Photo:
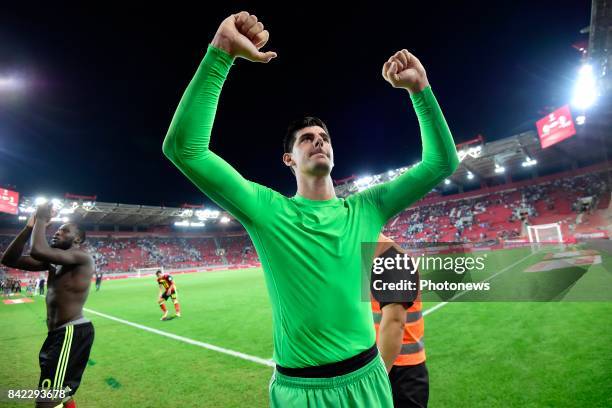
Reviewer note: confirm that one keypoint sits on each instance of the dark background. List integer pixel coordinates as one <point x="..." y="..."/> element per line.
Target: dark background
<point x="104" y="81"/>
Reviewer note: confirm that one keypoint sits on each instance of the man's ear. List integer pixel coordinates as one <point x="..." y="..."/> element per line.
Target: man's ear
<point x="288" y="159"/>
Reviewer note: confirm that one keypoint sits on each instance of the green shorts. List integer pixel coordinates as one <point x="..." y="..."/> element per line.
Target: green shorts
<point x="367" y="387"/>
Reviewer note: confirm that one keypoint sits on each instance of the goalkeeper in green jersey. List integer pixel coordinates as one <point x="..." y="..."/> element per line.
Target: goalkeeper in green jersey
<point x="309" y="244"/>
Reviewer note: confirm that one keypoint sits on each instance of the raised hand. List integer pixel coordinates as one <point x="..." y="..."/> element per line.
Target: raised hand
<point x="44" y="212"/>
<point x="241" y="35"/>
<point x="404" y="70"/>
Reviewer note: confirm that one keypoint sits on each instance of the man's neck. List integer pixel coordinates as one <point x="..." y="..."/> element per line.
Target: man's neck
<point x="316" y="188"/>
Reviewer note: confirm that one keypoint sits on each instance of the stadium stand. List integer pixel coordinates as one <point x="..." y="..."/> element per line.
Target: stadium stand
<point x="579" y="203"/>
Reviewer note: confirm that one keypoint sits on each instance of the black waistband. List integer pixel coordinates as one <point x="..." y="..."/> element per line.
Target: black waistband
<point x="333" y="369"/>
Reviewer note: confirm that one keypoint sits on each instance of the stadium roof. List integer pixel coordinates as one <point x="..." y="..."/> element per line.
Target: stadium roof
<point x="492" y="162"/>
<point x="101" y="213"/>
<point x="477" y="157"/>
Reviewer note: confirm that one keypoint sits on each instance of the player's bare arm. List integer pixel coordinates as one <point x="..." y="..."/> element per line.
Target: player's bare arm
<point x="12" y="256"/>
<point x="391" y="328"/>
<point x="41" y="250"/>
<point x="391" y="332"/>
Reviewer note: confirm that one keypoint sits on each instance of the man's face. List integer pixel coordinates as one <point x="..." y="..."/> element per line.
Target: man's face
<point x="64" y="237"/>
<point x="312" y="152"/>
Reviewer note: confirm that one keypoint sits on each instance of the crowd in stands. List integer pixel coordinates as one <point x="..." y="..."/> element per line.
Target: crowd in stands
<point x="484" y="218"/>
<point x="238" y="250"/>
<point x="502" y="215"/>
<point x="129" y="254"/>
<point x="116" y="254"/>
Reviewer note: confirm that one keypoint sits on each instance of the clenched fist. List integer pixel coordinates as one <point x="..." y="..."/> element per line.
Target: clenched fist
<point x="404" y="70"/>
<point x="44" y="212"/>
<point x="241" y="35"/>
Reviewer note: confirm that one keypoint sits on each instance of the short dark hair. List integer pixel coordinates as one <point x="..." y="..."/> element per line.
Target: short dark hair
<point x="158" y="272"/>
<point x="297" y="125"/>
<point x="80" y="233"/>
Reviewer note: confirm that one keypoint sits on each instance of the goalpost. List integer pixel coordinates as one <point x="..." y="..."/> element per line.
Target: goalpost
<point x="148" y="271"/>
<point x="550" y="233"/>
<point x="545" y="234"/>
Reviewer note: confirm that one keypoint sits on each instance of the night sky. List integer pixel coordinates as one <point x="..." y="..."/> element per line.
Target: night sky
<point x="103" y="84"/>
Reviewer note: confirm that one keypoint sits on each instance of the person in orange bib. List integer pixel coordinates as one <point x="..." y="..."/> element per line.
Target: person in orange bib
<point x="399" y="336"/>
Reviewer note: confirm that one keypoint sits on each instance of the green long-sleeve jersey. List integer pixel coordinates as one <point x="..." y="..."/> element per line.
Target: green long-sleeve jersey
<point x="310" y="250"/>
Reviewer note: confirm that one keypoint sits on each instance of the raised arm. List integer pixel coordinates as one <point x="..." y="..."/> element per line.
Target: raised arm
<point x="187" y="141"/>
<point x="439" y="157"/>
<point x="41" y="250"/>
<point x="12" y="256"/>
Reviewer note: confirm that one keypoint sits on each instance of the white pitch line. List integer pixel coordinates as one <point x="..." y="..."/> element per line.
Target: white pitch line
<point x="260" y="360"/>
<point x="187" y="340"/>
<point x="440" y="305"/>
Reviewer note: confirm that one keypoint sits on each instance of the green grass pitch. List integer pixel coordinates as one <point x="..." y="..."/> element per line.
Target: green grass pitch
<point x="479" y="354"/>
